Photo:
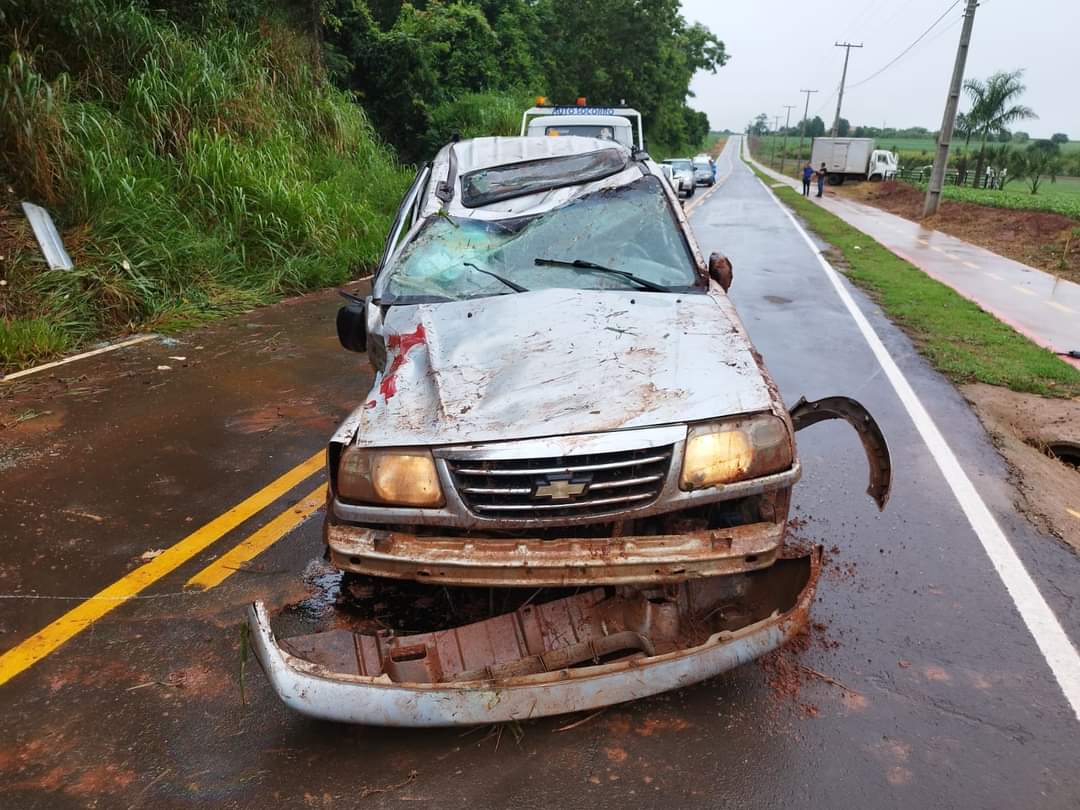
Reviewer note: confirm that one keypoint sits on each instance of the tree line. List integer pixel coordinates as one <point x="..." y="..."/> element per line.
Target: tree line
<point x="427" y="68"/>
<point x="994" y="106"/>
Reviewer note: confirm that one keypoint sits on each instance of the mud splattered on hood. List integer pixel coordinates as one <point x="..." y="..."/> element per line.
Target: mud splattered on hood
<point x="556" y="362"/>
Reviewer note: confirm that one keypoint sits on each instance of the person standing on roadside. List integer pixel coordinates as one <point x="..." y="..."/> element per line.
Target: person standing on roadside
<point x="807" y="174"/>
<point x="821" y="179"/>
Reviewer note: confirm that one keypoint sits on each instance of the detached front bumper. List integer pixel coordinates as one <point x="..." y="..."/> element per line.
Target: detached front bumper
<point x="584" y="561"/>
<point x="579" y="653"/>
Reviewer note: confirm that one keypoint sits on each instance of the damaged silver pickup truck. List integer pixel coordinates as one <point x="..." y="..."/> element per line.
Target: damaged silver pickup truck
<point x="567" y="413"/>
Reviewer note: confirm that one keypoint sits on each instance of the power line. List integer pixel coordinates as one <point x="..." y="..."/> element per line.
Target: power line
<point x="906" y="50"/>
<point x="947" y="28"/>
<point x="825" y="103"/>
<point x="864" y="16"/>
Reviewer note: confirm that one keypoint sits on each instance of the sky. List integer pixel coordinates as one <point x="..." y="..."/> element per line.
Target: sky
<point x="778" y="47"/>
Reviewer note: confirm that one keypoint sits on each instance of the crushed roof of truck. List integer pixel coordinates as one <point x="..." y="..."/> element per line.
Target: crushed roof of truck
<point x="496" y="183"/>
<point x="514" y="163"/>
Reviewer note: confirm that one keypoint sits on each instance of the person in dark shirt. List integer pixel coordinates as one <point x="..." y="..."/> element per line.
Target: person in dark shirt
<point x="821" y="179"/>
<point x="807" y="173"/>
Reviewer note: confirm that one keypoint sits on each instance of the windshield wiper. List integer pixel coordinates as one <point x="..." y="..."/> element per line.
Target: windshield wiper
<point x="581" y="264"/>
<point x="513" y="285"/>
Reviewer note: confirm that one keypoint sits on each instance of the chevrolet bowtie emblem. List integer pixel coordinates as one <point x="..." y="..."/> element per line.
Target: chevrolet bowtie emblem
<point x="560" y="490"/>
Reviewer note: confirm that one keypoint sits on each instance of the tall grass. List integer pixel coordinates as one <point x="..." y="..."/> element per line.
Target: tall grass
<point x="193" y="174"/>
<point x="474" y="115"/>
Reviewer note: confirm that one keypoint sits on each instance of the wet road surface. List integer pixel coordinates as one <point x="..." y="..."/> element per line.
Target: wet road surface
<point x="934" y="692"/>
<point x="1035" y="303"/>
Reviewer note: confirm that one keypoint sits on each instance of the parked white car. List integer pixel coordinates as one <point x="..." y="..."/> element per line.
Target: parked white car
<point x="682" y="171"/>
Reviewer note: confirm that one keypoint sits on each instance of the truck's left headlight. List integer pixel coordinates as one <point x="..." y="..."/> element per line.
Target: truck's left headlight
<point x="402" y="477"/>
<point x="735" y="450"/>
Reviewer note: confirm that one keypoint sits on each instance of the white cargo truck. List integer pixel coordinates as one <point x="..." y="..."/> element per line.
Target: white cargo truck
<point x="852" y="159"/>
<point x="620" y="124"/>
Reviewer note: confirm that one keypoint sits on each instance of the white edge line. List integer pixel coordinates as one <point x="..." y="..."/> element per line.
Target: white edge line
<point x="1055" y="645"/>
<point x="74" y="357"/>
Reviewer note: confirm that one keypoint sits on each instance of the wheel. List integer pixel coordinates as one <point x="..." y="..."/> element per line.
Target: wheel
<point x="836" y="179"/>
<point x="690" y="193"/>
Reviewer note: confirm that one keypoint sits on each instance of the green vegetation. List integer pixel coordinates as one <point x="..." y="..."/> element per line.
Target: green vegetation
<point x="994" y="108"/>
<point x="207" y="156"/>
<point x="195" y="173"/>
<point x="961" y="340"/>
<point x="1062" y="197"/>
<point x="411" y="64"/>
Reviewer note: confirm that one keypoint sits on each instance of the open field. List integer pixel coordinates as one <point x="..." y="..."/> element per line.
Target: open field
<point x="912" y="153"/>
<point x="1062" y="197"/>
<point x="910" y="144"/>
<point x="1059" y="197"/>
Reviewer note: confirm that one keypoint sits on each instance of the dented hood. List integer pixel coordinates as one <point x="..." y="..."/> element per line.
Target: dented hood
<point x="556" y="362"/>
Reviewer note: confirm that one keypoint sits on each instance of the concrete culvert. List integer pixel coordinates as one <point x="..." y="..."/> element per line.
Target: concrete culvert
<point x="1067" y="452"/>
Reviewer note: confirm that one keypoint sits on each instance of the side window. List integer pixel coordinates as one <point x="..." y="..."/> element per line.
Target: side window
<point x="406" y="215"/>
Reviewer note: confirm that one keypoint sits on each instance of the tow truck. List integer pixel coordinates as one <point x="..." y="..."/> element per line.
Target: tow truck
<point x="619" y="124"/>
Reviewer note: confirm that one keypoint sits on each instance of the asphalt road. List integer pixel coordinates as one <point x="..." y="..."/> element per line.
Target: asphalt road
<point x="920" y="684"/>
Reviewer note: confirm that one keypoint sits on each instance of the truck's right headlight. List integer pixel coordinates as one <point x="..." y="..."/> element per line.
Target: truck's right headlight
<point x="402" y="477"/>
<point x="735" y="450"/>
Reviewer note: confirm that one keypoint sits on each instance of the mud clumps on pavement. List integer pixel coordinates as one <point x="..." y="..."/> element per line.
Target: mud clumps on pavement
<point x="781" y="667"/>
<point x="1022" y="426"/>
<point x="1036" y="238"/>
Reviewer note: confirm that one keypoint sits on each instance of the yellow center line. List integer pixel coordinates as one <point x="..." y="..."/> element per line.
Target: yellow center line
<point x="1024" y="290"/>
<point x="922" y="242"/>
<point x="258" y="541"/>
<point x="49" y="638"/>
<point x="972" y="265"/>
<point x="1073" y="512"/>
<point x="1061" y="307"/>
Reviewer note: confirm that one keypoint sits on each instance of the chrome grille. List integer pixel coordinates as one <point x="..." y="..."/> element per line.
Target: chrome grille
<point x="572" y="486"/>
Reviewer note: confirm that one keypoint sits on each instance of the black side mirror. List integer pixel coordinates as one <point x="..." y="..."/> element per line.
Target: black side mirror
<point x="720" y="270"/>
<point x="352" y="327"/>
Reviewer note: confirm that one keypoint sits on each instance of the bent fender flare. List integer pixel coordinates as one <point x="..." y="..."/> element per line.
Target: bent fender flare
<point x="806" y="413"/>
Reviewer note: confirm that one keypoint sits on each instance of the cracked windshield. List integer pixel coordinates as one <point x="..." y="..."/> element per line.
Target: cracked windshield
<point x="628" y="229"/>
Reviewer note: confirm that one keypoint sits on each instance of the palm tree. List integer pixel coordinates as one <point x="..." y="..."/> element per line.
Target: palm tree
<point x="963" y="128"/>
<point x="993" y="108"/>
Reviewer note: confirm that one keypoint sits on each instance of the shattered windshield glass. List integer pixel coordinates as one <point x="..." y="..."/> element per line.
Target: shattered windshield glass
<point x="629" y="228"/>
<point x="485" y="186"/>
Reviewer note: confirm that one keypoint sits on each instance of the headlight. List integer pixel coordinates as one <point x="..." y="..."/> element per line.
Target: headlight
<point x="398" y="477"/>
<point x="735" y="450"/>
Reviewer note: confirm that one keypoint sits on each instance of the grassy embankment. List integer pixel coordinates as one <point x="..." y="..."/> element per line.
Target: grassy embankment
<point x="191" y="174"/>
<point x="959" y="339"/>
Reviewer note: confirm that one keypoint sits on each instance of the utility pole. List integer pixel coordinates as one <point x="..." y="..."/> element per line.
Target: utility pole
<point x="843" y="78"/>
<point x="806" y="112"/>
<point x="776" y="127"/>
<point x="787" y="126"/>
<point x="952" y="101"/>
